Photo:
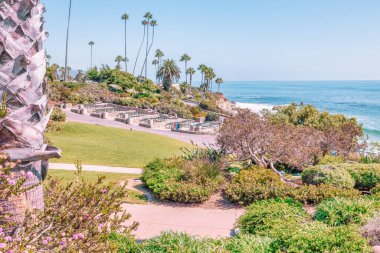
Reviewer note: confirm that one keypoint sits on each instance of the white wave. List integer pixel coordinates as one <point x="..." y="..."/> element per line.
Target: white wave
<point x="256" y="108"/>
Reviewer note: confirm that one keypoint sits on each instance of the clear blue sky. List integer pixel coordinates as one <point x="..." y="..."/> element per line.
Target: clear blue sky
<point x="240" y="39"/>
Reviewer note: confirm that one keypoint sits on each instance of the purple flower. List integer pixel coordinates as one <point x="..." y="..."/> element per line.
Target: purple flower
<point x="49" y="239"/>
<point x="9" y="251"/>
<point x="45" y="242"/>
<point x="12" y="182"/>
<point x="8" y="238"/>
<point x="76" y="237"/>
<point x="96" y="217"/>
<point x="2" y="245"/>
<point x="104" y="191"/>
<point x="1" y="230"/>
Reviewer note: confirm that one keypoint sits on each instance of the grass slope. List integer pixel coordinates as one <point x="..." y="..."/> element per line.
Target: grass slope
<point x="99" y="145"/>
<point x="134" y="197"/>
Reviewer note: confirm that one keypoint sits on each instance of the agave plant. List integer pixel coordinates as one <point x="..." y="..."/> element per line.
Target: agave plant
<point x="22" y="71"/>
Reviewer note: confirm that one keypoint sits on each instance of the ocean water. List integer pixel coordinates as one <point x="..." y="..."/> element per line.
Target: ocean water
<point x="359" y="99"/>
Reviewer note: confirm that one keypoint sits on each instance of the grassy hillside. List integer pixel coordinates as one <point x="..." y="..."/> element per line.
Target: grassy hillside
<point x="98" y="145"/>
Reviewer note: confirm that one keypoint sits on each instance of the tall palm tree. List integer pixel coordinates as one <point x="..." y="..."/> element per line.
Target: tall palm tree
<point x="22" y="128"/>
<point x="148" y="16"/>
<point x="202" y="69"/>
<point x="125" y="17"/>
<point x="159" y="54"/>
<point x="185" y="58"/>
<point x="91" y="44"/>
<point x="118" y="60"/>
<point x="67" y="41"/>
<point x="144" y="23"/>
<point x="209" y="76"/>
<point x="155" y="63"/>
<point x="153" y="24"/>
<point x="190" y="72"/>
<point x="168" y="72"/>
<point x="219" y="81"/>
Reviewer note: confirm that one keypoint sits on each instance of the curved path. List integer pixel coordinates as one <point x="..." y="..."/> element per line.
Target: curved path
<point x="211" y="219"/>
<point x="95" y="168"/>
<point x="189" y="138"/>
<point x="197" y="221"/>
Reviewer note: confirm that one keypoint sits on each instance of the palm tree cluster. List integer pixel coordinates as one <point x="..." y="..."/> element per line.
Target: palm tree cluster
<point x="165" y="69"/>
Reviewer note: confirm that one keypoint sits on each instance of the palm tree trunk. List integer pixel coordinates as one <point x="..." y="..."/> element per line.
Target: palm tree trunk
<point x="138" y="54"/>
<point x="22" y="79"/>
<point x="91" y="56"/>
<point x="67" y="42"/>
<point x="146" y="58"/>
<point x="146" y="52"/>
<point x="125" y="45"/>
<point x="191" y="79"/>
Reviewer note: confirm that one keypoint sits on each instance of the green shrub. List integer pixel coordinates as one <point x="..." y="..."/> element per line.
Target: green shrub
<point x="313" y="194"/>
<point x="188" y="181"/>
<point x="254" y="184"/>
<point x="328" y="159"/>
<point x="58" y="115"/>
<point x="264" y="217"/>
<point x="316" y="237"/>
<point x="212" y="116"/>
<point x="366" y="176"/>
<point x="180" y="242"/>
<point x="376" y="189"/>
<point x="328" y="174"/>
<point x="343" y="211"/>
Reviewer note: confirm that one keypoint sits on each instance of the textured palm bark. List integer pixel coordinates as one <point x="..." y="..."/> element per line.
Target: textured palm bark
<point x="22" y="72"/>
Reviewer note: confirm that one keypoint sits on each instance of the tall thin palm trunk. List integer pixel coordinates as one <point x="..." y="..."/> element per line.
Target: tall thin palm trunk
<point x="22" y="74"/>
<point x="146" y="57"/>
<point x="91" y="56"/>
<point x="67" y="41"/>
<point x="125" y="45"/>
<point x="138" y="54"/>
<point x="147" y="48"/>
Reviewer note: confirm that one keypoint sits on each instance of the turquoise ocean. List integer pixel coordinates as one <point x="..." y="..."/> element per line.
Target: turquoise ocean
<point x="359" y="99"/>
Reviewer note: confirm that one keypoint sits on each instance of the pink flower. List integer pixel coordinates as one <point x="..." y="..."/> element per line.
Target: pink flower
<point x="45" y="242"/>
<point x="101" y="225"/>
<point x="104" y="191"/>
<point x="9" y="251"/>
<point x="2" y="245"/>
<point x="12" y="182"/>
<point x="8" y="238"/>
<point x="78" y="236"/>
<point x="29" y="174"/>
<point x="1" y="230"/>
<point x="49" y="239"/>
<point x="96" y="217"/>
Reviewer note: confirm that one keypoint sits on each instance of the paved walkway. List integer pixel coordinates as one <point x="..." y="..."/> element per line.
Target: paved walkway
<point x="189" y="138"/>
<point x="95" y="168"/>
<point x="154" y="219"/>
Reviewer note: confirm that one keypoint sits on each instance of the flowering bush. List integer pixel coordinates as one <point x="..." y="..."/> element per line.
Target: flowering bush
<point x="79" y="216"/>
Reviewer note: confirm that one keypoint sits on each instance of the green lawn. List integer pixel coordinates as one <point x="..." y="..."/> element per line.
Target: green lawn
<point x="134" y="197"/>
<point x="99" y="145"/>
